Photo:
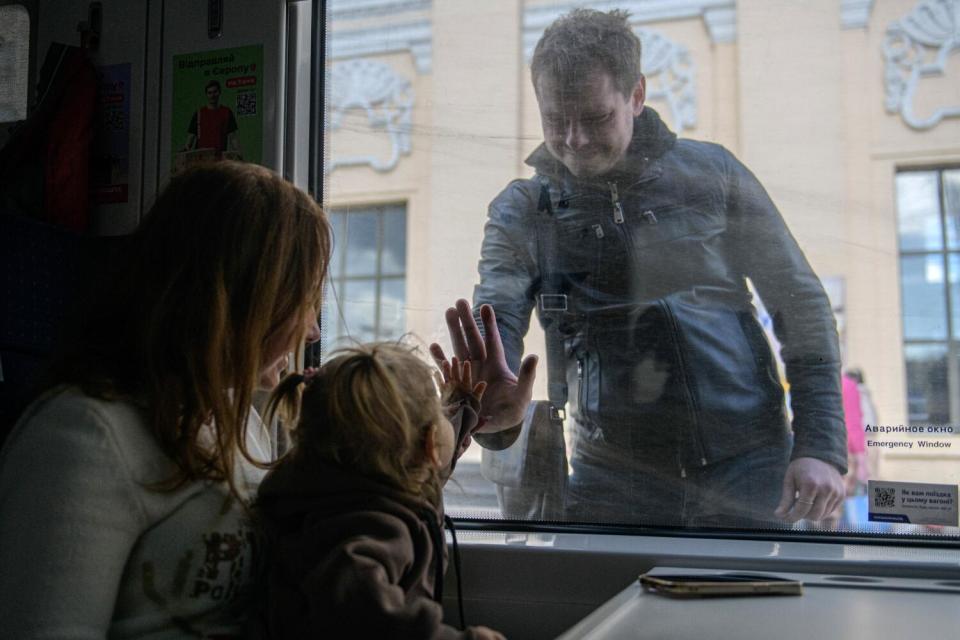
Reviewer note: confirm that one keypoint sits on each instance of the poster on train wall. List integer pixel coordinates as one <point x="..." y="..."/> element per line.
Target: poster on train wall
<point x="217" y="106"/>
<point x="110" y="159"/>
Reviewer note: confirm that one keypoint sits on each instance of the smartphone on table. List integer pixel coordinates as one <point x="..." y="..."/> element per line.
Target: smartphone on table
<point x="693" y="585"/>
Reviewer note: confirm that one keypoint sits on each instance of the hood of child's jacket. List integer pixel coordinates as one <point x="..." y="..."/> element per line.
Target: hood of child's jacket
<point x="358" y="554"/>
<point x="323" y="489"/>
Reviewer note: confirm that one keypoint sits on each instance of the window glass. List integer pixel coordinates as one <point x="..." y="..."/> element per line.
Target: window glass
<point x="393" y="295"/>
<point x="336" y="228"/>
<point x="362" y="244"/>
<point x="394" y="255"/>
<point x="953" y="263"/>
<point x="924" y="302"/>
<point x="359" y="309"/>
<point x="14" y="62"/>
<point x="930" y="285"/>
<point x="740" y="270"/>
<point x="918" y="211"/>
<point x="366" y="292"/>
<point x="927" y="384"/>
<point x="951" y="201"/>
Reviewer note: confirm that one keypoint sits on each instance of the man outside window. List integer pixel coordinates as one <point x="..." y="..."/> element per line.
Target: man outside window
<point x="635" y="248"/>
<point x="213" y="126"/>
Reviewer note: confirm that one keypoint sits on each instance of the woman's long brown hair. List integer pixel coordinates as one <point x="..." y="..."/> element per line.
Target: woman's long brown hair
<point x="227" y="255"/>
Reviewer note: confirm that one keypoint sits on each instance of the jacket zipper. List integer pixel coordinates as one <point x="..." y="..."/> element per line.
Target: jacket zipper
<point x="615" y="201"/>
<point x="613" y="191"/>
<point x="694" y="412"/>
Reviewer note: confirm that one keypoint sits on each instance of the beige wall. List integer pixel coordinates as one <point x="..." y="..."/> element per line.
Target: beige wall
<point x="799" y="99"/>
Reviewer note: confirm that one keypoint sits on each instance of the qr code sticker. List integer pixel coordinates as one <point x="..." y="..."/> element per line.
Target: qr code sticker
<point x="884" y="498"/>
<point x="247" y="103"/>
<point x="112" y="120"/>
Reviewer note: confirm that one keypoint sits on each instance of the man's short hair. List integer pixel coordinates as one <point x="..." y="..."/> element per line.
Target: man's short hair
<point x="580" y="42"/>
<point x="213" y="83"/>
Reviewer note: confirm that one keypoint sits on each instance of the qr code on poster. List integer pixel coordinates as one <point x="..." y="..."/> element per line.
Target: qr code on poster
<point x="884" y="497"/>
<point x="247" y="103"/>
<point x="112" y="120"/>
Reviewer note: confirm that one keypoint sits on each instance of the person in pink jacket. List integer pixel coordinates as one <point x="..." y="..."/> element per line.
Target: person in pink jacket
<point x="858" y="472"/>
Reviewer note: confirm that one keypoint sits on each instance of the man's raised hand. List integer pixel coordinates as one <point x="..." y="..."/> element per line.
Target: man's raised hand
<point x="507" y="395"/>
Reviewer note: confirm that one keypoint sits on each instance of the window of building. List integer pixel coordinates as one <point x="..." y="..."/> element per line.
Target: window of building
<point x="928" y="213"/>
<point x="14" y="62"/>
<point x="367" y="289"/>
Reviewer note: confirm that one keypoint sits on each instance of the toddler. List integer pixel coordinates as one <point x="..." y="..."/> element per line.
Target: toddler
<point x="353" y="515"/>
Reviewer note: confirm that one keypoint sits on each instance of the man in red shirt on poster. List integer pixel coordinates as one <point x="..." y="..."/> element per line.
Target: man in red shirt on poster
<point x="213" y="126"/>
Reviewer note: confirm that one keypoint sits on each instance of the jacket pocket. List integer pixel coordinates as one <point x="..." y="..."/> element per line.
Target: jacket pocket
<point x="766" y="368"/>
<point x="579" y="252"/>
<point x="731" y="376"/>
<point x="655" y="225"/>
<point x="584" y="396"/>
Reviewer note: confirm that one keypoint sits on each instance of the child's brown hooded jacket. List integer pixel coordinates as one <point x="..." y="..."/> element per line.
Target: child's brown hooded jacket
<point x="350" y="556"/>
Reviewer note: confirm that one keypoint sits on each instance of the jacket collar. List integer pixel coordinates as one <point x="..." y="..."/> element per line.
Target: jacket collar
<point x="651" y="139"/>
<point x="300" y="487"/>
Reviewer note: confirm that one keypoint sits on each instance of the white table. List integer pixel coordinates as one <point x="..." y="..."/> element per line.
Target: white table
<point x="848" y="607"/>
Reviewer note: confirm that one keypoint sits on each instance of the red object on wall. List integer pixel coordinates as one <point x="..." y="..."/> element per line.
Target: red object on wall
<point x="45" y="166"/>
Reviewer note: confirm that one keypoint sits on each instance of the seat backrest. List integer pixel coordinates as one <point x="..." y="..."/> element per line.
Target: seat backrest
<point x="44" y="272"/>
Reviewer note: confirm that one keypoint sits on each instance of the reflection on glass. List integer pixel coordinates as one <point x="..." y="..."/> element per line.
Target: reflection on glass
<point x="393" y="320"/>
<point x="359" y="299"/>
<point x="951" y="206"/>
<point x="918" y="211"/>
<point x="635" y="249"/>
<point x="394" y="256"/>
<point x="361" y="246"/>
<point x="953" y="262"/>
<point x="924" y="304"/>
<point x="339" y="238"/>
<point x="370" y="251"/>
<point x="927" y="399"/>
<point x="330" y="317"/>
<point x="674" y="403"/>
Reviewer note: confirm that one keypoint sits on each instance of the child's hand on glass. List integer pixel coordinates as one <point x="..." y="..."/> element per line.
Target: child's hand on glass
<point x="457" y="376"/>
<point x="457" y="380"/>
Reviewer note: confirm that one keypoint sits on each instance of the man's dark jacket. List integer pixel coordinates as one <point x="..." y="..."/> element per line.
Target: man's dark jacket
<point x="639" y="279"/>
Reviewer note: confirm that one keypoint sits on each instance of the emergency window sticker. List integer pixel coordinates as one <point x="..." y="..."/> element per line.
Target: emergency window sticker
<point x="913" y="503"/>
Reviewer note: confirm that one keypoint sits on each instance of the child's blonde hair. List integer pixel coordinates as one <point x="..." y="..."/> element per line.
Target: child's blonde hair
<point x="370" y="408"/>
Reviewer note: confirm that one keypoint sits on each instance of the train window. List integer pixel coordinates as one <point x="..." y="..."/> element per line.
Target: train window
<point x="14" y="62"/>
<point x="728" y="230"/>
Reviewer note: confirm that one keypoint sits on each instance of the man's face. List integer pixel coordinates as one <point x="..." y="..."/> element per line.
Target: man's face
<point x="588" y="127"/>
<point x="213" y="96"/>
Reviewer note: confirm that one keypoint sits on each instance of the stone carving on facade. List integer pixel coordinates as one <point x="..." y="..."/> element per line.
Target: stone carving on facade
<point x="365" y="28"/>
<point x="670" y="77"/>
<point x="385" y="97"/>
<point x="415" y="37"/>
<point x="855" y="14"/>
<point x="360" y="9"/>
<point x="719" y="16"/>
<point x="917" y="46"/>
